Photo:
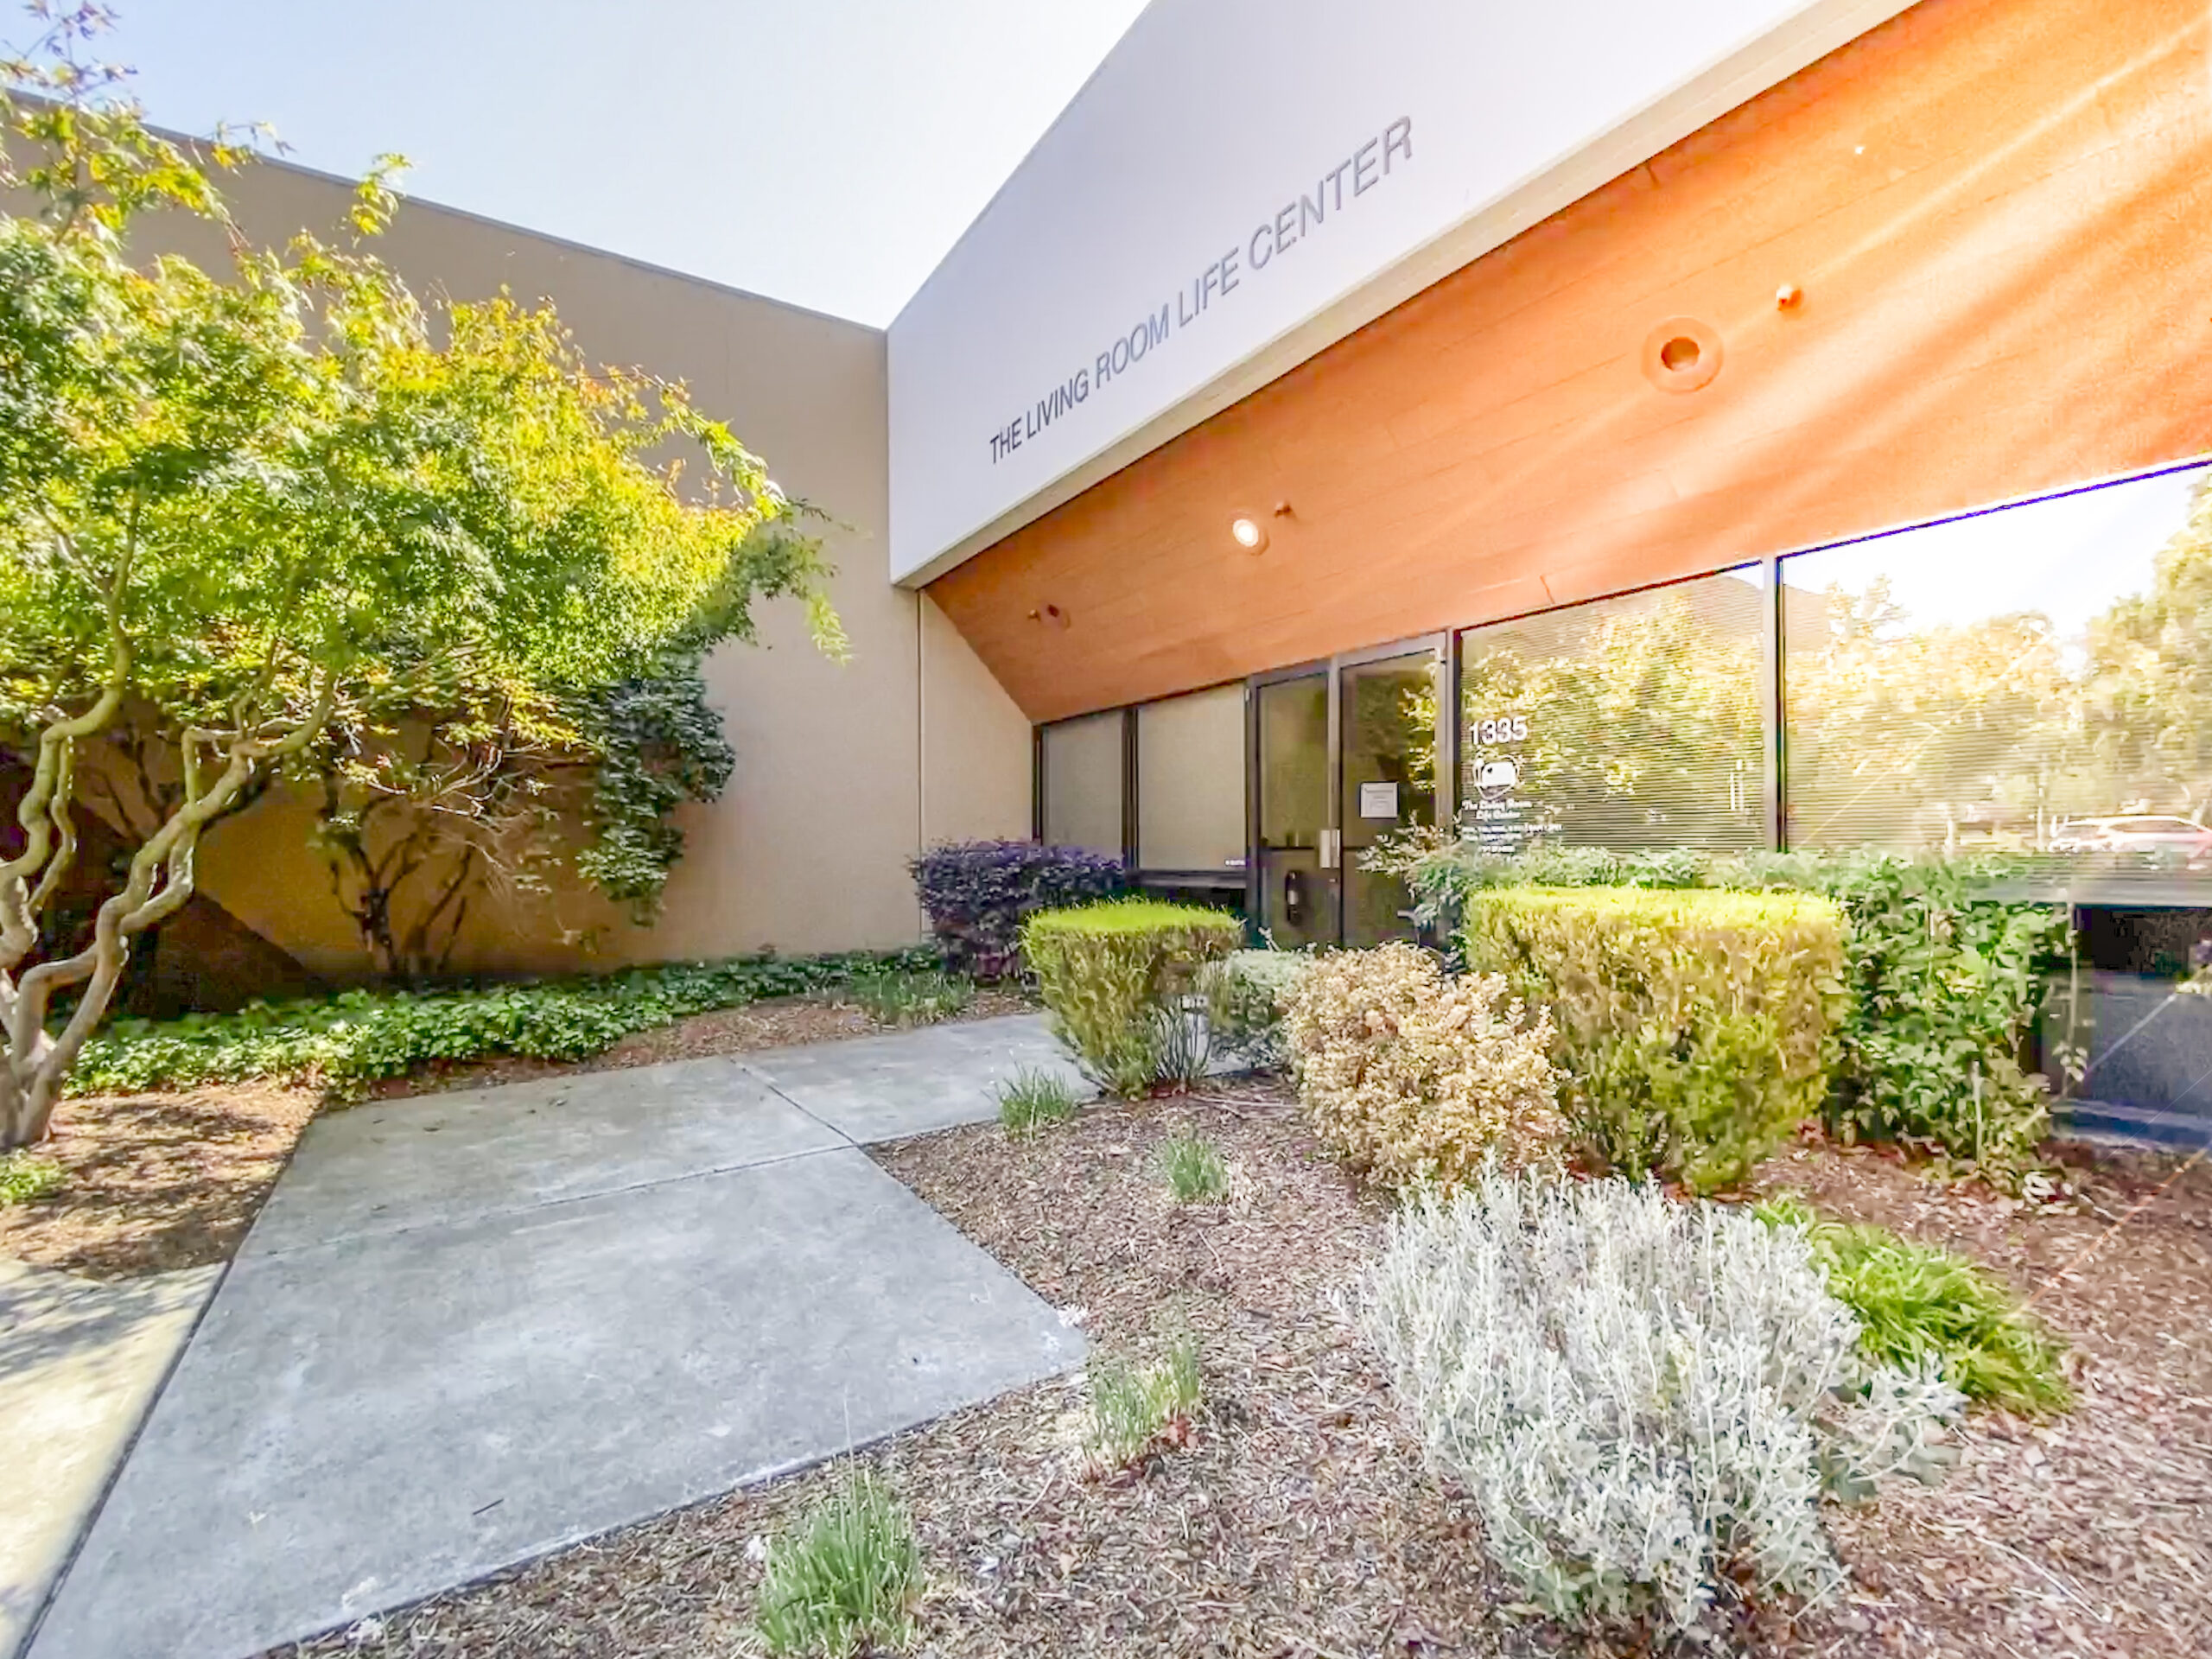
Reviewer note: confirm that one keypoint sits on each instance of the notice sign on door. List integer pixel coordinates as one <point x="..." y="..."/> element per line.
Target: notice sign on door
<point x="1378" y="800"/>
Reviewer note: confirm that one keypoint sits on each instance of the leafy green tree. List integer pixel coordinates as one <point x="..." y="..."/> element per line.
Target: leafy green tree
<point x="260" y="513"/>
<point x="2149" y="684"/>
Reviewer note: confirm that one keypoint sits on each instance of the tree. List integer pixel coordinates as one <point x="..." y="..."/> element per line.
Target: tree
<point x="2149" y="684"/>
<point x="426" y="817"/>
<point x="260" y="515"/>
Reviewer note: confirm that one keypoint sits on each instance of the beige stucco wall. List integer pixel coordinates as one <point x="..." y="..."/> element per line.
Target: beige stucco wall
<point x="843" y="770"/>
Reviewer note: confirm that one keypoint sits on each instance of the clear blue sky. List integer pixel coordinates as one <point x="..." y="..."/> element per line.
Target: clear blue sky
<point x="826" y="152"/>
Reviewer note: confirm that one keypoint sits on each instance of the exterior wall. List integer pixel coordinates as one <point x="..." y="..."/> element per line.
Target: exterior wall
<point x="1992" y="211"/>
<point x="807" y="850"/>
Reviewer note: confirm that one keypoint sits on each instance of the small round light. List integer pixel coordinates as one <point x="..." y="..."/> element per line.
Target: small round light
<point x="1249" y="535"/>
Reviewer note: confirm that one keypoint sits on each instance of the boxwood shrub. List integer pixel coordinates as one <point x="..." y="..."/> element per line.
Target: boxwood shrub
<point x="1109" y="972"/>
<point x="1945" y="969"/>
<point x="1694" y="1029"/>
<point x="977" y="892"/>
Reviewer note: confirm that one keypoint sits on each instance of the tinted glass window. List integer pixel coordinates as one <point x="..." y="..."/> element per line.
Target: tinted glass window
<point x="1629" y="722"/>
<point x="2036" y="679"/>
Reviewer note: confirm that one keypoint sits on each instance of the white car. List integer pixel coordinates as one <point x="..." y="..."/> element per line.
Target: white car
<point x="2136" y="833"/>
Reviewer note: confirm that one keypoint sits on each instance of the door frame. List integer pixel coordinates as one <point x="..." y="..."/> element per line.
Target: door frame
<point x="1331" y="670"/>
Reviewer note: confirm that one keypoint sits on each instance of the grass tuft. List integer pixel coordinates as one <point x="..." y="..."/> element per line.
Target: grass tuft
<point x="1032" y="1099"/>
<point x="911" y="997"/>
<point x="847" y="1580"/>
<point x="1193" y="1167"/>
<point x="1915" y="1299"/>
<point x="24" y="1177"/>
<point x="1132" y="1407"/>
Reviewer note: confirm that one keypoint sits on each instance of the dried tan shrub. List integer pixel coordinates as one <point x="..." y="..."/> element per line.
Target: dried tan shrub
<point x="1413" y="1077"/>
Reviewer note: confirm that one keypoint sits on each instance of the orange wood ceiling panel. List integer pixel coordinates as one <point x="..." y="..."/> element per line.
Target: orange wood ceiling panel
<point x="1996" y="213"/>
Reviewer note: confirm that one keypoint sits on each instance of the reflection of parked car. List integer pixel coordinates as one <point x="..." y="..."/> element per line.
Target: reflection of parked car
<point x="2136" y="833"/>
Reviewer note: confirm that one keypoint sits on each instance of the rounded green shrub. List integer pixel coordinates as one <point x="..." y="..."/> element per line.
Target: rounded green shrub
<point x="1695" y="1028"/>
<point x="1106" y="972"/>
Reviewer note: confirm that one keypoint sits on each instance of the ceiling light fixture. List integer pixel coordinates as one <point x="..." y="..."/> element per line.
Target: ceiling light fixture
<point x="1250" y="535"/>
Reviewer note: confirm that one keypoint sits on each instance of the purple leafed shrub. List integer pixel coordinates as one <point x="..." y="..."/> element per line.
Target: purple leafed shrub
<point x="977" y="891"/>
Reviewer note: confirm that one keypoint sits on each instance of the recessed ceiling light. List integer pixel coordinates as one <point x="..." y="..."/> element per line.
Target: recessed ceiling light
<point x="1250" y="535"/>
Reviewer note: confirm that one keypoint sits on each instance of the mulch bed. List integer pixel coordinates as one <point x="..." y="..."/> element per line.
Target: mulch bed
<point x="1298" y="1519"/>
<point x="153" y="1182"/>
<point x="173" y="1180"/>
<point x="2089" y="1534"/>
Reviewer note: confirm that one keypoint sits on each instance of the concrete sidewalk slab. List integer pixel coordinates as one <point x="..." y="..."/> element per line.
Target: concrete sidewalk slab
<point x="80" y="1361"/>
<point x="471" y="1328"/>
<point x="454" y="1157"/>
<point x="910" y="1082"/>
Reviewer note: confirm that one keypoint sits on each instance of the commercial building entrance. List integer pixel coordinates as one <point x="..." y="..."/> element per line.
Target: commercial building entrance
<point x="1343" y="753"/>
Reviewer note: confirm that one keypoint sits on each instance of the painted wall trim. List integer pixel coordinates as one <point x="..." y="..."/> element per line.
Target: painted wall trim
<point x="1808" y="37"/>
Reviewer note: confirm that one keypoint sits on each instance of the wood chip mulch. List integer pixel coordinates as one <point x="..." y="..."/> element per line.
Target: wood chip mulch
<point x="2090" y="1534"/>
<point x="157" y="1181"/>
<point x="1299" y="1521"/>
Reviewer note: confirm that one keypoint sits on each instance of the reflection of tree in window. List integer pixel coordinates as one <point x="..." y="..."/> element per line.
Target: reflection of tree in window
<point x="1396" y="729"/>
<point x="2149" y="690"/>
<point x="1643" y="717"/>
<point x="1995" y="732"/>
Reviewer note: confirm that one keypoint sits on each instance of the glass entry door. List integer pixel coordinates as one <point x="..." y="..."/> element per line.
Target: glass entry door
<point x="1343" y="753"/>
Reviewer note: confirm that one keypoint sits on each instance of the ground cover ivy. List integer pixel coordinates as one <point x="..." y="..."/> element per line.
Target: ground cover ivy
<point x="356" y="1037"/>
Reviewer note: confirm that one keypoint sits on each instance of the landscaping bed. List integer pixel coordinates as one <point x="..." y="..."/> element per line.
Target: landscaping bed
<point x="1299" y="1519"/>
<point x="172" y="1179"/>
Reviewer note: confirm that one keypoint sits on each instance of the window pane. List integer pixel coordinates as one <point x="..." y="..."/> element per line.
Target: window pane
<point x="2035" y="679"/>
<point x="1082" y="782"/>
<point x="1629" y="722"/>
<point x="1190" y="782"/>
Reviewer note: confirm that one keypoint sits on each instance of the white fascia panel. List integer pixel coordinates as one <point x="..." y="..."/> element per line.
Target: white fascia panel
<point x="1243" y="183"/>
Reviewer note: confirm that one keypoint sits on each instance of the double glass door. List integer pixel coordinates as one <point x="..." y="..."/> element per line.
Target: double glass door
<point x="1345" y="752"/>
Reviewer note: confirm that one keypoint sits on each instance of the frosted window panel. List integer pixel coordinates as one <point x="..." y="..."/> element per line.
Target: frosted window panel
<point x="1082" y="782"/>
<point x="1190" y="782"/>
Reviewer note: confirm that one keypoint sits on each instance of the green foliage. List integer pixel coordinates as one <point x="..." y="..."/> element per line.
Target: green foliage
<point x="356" y="1037"/>
<point x="900" y="997"/>
<point x="23" y="1177"/>
<point x="1945" y="987"/>
<point x="656" y="744"/>
<point x="1132" y="1407"/>
<point x="1915" y="1302"/>
<point x="1192" y="1167"/>
<point x="1105" y="970"/>
<point x="1696" y="1029"/>
<point x="1032" y="1099"/>
<point x="847" y="1581"/>
<point x="1944" y="976"/>
<point x="266" y="516"/>
<point x="1246" y="994"/>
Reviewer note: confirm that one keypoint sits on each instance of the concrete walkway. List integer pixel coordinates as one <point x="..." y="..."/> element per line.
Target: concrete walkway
<point x="470" y="1328"/>
<point x="79" y="1362"/>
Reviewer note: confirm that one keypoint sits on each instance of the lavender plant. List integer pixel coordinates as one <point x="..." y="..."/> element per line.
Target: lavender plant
<point x="1646" y="1401"/>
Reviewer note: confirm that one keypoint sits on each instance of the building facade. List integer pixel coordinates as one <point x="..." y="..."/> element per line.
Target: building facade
<point x="1761" y="423"/>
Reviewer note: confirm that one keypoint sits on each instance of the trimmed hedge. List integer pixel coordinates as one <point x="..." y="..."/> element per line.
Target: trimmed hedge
<point x="1696" y="1029"/>
<point x="978" y="892"/>
<point x="356" y="1037"/>
<point x="1110" y="971"/>
<point x="1946" y="976"/>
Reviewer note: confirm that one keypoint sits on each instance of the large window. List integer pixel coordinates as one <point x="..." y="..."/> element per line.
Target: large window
<point x="1082" y="761"/>
<point x="1190" y="782"/>
<point x="2035" y="678"/>
<point x="1631" y="722"/>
